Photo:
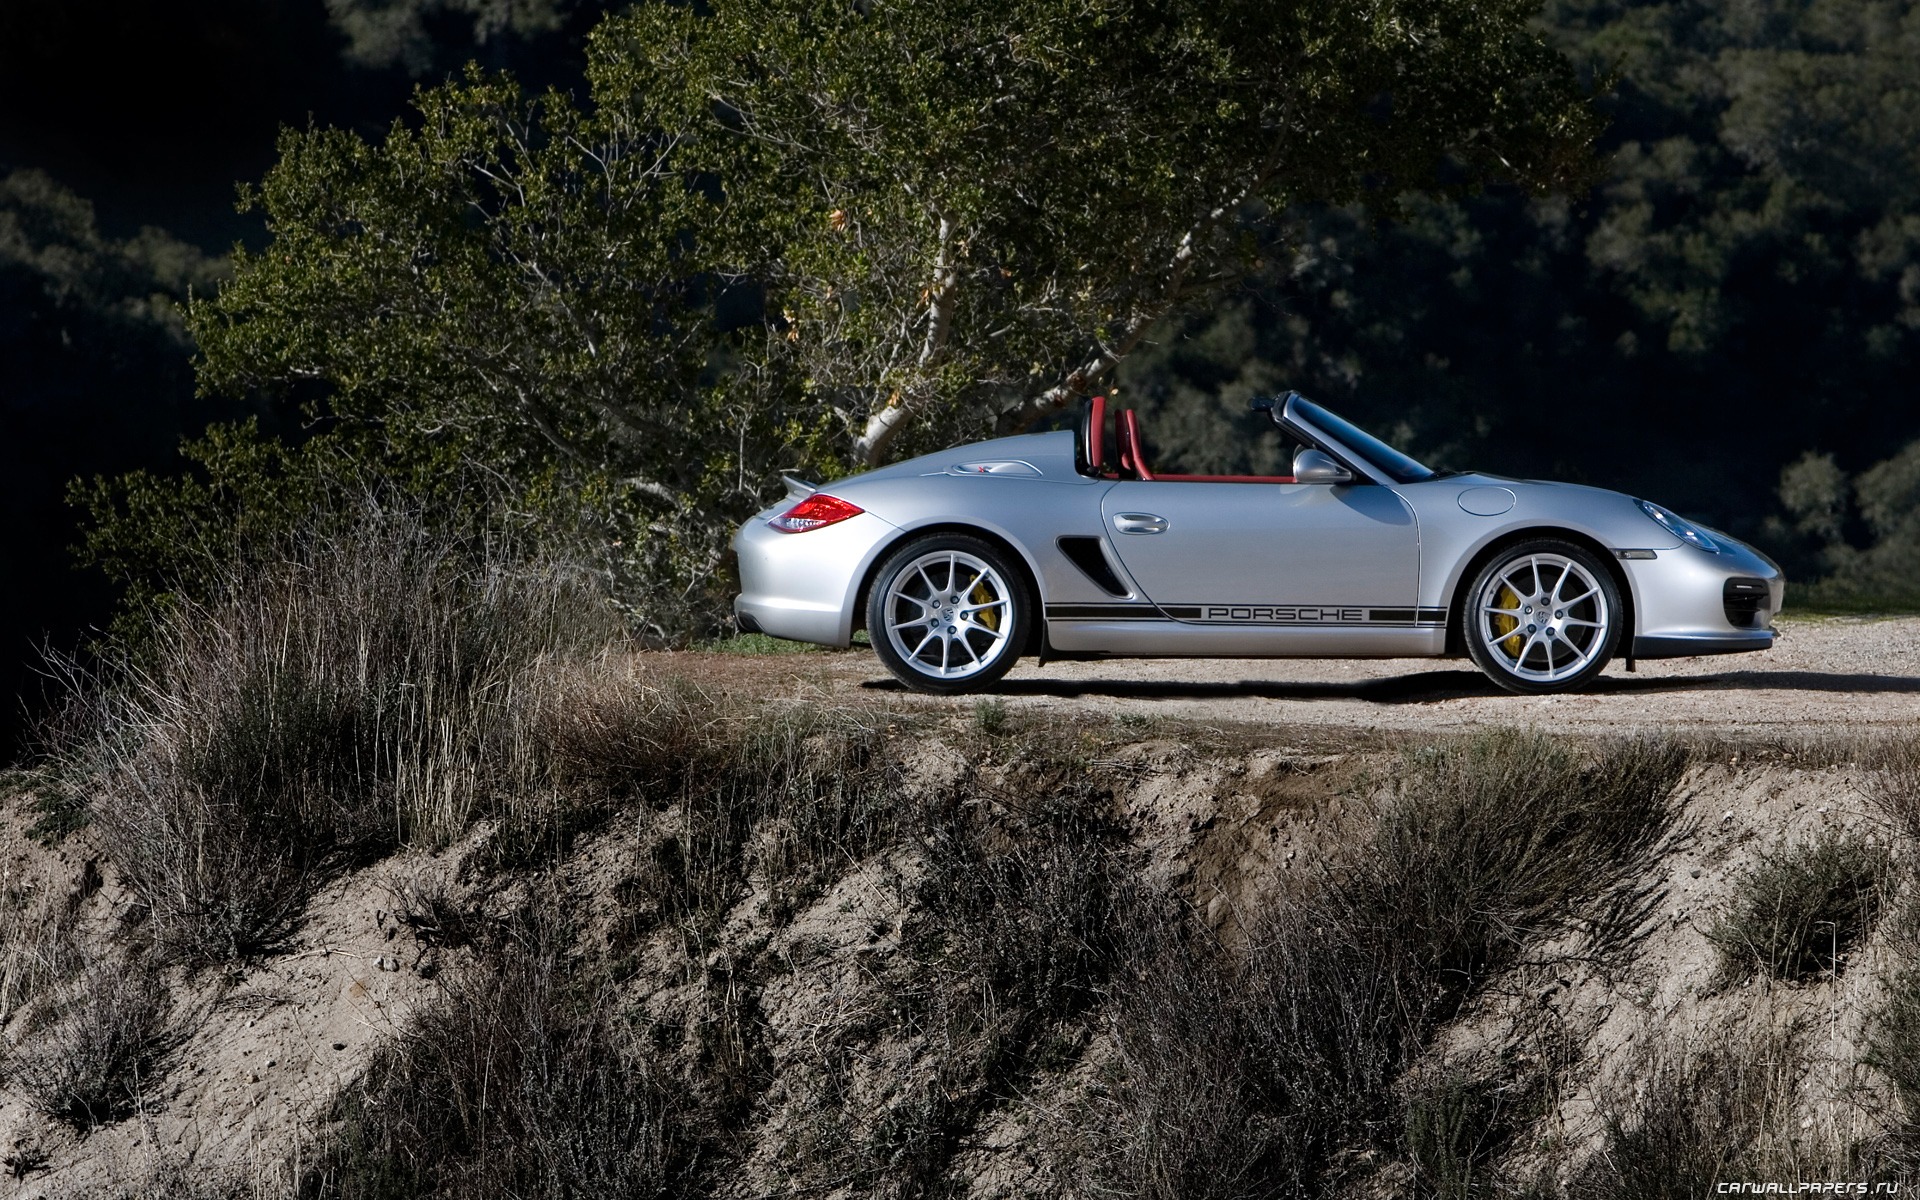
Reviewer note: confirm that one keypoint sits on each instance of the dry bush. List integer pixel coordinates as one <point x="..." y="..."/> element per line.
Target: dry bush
<point x="1712" y="1115"/>
<point x="1892" y="781"/>
<point x="1491" y="840"/>
<point x="1893" y="1034"/>
<point x="333" y="701"/>
<point x="783" y="797"/>
<point x="1893" y="1047"/>
<point x="529" y="1078"/>
<point x="1455" y="1124"/>
<point x="524" y="1079"/>
<point x="37" y="947"/>
<point x="1798" y="910"/>
<point x="87" y="1052"/>
<point x="1243" y="1075"/>
<point x="1269" y="1073"/>
<point x="57" y="805"/>
<point x="1015" y="931"/>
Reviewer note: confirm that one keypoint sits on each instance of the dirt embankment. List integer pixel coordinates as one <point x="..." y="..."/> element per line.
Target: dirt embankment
<point x="1227" y="785"/>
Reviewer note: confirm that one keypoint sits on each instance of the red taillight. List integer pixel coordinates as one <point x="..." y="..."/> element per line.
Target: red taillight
<point x="815" y="511"/>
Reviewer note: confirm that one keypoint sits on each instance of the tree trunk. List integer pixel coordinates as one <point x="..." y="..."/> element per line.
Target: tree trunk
<point x="870" y="449"/>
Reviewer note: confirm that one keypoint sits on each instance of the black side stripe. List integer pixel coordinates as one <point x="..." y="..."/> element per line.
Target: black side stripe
<point x="1104" y="612"/>
<point x="1254" y="614"/>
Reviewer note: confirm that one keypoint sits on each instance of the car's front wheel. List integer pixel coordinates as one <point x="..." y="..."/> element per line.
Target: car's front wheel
<point x="948" y="613"/>
<point x="1543" y="616"/>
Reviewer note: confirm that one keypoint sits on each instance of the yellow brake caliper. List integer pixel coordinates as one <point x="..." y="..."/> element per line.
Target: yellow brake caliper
<point x="1504" y="624"/>
<point x="990" y="617"/>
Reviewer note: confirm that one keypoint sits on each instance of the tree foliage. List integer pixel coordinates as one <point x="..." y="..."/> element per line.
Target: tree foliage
<point x="968" y="213"/>
<point x="783" y="234"/>
<point x="1741" y="290"/>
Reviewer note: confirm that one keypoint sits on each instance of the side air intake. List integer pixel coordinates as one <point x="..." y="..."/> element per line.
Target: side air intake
<point x="1744" y="599"/>
<point x="1085" y="553"/>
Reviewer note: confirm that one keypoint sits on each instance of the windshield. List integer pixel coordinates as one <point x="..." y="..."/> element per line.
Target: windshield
<point x="1397" y="466"/>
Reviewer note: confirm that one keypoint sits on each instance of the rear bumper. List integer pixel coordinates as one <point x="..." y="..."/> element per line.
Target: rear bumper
<point x="803" y="586"/>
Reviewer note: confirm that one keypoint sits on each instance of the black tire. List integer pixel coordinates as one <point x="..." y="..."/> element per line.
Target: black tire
<point x="989" y="614"/>
<point x="1527" y="627"/>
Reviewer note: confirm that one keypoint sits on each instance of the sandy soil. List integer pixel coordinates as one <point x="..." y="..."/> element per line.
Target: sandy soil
<point x="1823" y="676"/>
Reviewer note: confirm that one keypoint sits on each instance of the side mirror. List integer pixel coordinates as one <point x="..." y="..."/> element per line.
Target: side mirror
<point x="1315" y="466"/>
<point x="1262" y="404"/>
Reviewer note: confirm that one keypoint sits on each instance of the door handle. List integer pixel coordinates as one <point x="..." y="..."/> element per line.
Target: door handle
<point x="1139" y="523"/>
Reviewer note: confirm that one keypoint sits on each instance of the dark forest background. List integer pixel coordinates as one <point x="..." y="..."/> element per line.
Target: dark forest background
<point x="1728" y="323"/>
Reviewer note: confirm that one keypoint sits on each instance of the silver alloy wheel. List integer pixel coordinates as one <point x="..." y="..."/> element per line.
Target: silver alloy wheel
<point x="948" y="614"/>
<point x="1543" y="617"/>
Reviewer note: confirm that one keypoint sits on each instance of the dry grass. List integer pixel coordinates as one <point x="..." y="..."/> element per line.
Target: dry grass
<point x="1714" y="1114"/>
<point x="524" y="1079"/>
<point x="38" y="912"/>
<point x="1017" y="927"/>
<point x="1270" y="1072"/>
<point x="332" y="702"/>
<point x="1892" y="782"/>
<point x="1799" y="909"/>
<point x="534" y="1075"/>
<point x="88" y="1052"/>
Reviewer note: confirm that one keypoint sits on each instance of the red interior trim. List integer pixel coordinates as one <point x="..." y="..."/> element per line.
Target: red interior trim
<point x="1131" y="456"/>
<point x="1225" y="478"/>
<point x="1096" y="434"/>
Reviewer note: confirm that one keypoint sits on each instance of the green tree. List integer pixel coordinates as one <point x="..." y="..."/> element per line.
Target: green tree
<point x="1738" y="291"/>
<point x="780" y="233"/>
<point x="967" y="214"/>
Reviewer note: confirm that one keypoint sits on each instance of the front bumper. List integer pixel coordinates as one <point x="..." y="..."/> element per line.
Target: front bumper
<point x="1687" y="601"/>
<point x="804" y="586"/>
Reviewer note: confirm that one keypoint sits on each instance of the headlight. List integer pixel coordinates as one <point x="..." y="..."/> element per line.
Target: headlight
<point x="1680" y="527"/>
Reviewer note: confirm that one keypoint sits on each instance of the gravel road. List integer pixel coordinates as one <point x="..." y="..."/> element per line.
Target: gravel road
<point x="1823" y="676"/>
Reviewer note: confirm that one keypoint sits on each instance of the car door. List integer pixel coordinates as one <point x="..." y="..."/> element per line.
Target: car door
<point x="1271" y="557"/>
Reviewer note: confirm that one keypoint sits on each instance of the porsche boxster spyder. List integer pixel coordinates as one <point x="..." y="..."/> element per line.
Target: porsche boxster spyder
<point x="1069" y="545"/>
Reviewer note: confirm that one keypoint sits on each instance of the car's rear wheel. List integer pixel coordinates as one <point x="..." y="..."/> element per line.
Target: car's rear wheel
<point x="1543" y="616"/>
<point x="948" y="613"/>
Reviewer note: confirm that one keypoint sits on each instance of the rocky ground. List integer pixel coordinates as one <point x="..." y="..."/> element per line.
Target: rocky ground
<point x="1824" y="675"/>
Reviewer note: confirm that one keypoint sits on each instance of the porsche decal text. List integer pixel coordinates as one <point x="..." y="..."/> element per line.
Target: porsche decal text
<point x="1290" y="615"/>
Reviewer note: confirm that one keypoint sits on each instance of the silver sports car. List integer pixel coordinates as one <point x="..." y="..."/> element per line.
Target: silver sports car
<point x="1068" y="545"/>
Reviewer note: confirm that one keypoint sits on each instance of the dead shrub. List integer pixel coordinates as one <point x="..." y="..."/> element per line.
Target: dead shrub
<point x="1270" y="1072"/>
<point x="89" y="1051"/>
<point x="783" y="797"/>
<point x="37" y="947"/>
<point x="1893" y="1034"/>
<point x="524" y="1079"/>
<point x="333" y="700"/>
<point x="1707" y="1116"/>
<point x="1241" y="1075"/>
<point x="1798" y="910"/>
<point x="1491" y="840"/>
<point x="1015" y="933"/>
<point x="1892" y="781"/>
<point x="1453" y="1126"/>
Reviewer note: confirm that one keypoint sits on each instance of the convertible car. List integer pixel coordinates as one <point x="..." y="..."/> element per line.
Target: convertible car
<point x="1069" y="545"/>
